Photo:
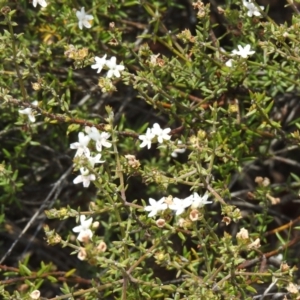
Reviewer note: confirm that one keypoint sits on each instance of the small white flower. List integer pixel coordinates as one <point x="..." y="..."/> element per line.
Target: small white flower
<point x="83" y="18"/>
<point x="199" y="201"/>
<point x="100" y="62"/>
<point x="229" y="63"/>
<point x="156" y="206"/>
<point x="180" y="204"/>
<point x="146" y="138"/>
<point x="95" y="160"/>
<point x="243" y="51"/>
<point x="42" y="3"/>
<point x="102" y="141"/>
<point x="161" y="134"/>
<point x="28" y="111"/>
<point x="178" y="150"/>
<point x="85" y="177"/>
<point x="252" y="9"/>
<point x="92" y="132"/>
<point x="114" y="69"/>
<point x="99" y="138"/>
<point x="84" y="228"/>
<point x="279" y="257"/>
<point x="81" y="145"/>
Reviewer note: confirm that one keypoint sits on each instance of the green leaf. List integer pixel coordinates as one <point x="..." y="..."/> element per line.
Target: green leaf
<point x="182" y="237"/>
<point x="70" y="272"/>
<point x="24" y="270"/>
<point x="52" y="279"/>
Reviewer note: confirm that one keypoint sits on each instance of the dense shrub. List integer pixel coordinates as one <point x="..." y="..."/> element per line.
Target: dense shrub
<point x="149" y="150"/>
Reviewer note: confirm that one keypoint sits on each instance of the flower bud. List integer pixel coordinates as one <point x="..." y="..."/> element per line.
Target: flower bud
<point x="101" y="246"/>
<point x="226" y="220"/>
<point x="284" y="267"/>
<point x="194" y="214"/>
<point x="132" y="161"/>
<point x="35" y="294"/>
<point x="242" y="234"/>
<point x="95" y="225"/>
<point x="82" y="254"/>
<point x="292" y="288"/>
<point x="255" y="244"/>
<point x="160" y="223"/>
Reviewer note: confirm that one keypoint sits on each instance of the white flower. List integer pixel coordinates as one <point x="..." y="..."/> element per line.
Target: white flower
<point x="81" y="145"/>
<point x="85" y="177"/>
<point x="95" y="160"/>
<point x="243" y="52"/>
<point x="161" y="134"/>
<point x="199" y="201"/>
<point x="102" y="141"/>
<point x="99" y="138"/>
<point x="229" y="63"/>
<point x="84" y="228"/>
<point x="279" y="257"/>
<point x="42" y="3"/>
<point x="178" y="150"/>
<point x="100" y="62"/>
<point x="156" y="206"/>
<point x="146" y="138"/>
<point x="114" y="69"/>
<point x="92" y="132"/>
<point x="252" y="9"/>
<point x="83" y="18"/>
<point x="28" y="111"/>
<point x="180" y="204"/>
